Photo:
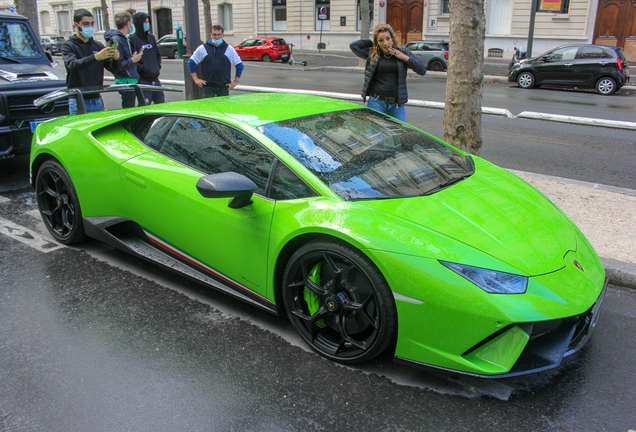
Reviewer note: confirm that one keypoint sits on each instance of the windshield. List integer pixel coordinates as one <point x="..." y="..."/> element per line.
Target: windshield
<point x="16" y="41"/>
<point x="362" y="154"/>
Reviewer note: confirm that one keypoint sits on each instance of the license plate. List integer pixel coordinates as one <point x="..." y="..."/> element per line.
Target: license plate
<point x="35" y="124"/>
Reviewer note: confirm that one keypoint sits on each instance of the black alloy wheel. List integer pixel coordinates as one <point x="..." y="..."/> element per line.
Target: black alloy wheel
<point x="436" y="65"/>
<point x="58" y="203"/>
<point x="267" y="58"/>
<point x="339" y="302"/>
<point x="606" y="86"/>
<point x="525" y="80"/>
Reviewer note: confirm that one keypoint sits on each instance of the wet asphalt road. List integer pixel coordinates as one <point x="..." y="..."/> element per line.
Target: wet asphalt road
<point x="94" y="340"/>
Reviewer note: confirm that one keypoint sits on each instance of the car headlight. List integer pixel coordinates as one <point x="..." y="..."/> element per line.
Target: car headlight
<point x="491" y="281"/>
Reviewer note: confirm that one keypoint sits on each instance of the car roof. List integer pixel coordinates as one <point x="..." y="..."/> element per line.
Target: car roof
<point x="255" y="109"/>
<point x="12" y="15"/>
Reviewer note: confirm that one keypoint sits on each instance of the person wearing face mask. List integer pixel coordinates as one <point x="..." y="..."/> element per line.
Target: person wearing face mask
<point x="85" y="60"/>
<point x="216" y="58"/>
<point x="127" y="74"/>
<point x="149" y="66"/>
<point x="385" y="71"/>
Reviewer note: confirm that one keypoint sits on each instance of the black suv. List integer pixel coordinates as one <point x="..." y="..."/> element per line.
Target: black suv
<point x="604" y="68"/>
<point x="25" y="75"/>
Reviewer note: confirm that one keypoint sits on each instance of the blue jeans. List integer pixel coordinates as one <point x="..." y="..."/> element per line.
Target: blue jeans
<point x="394" y="110"/>
<point x="92" y="105"/>
<point x="210" y="91"/>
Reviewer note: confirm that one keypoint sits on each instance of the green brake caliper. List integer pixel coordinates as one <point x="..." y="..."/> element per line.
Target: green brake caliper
<point x="311" y="298"/>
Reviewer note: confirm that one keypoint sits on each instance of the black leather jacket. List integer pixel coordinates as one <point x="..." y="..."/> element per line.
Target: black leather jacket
<point x="362" y="48"/>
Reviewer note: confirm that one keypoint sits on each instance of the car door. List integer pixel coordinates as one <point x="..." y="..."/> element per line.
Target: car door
<point x="591" y="63"/>
<point x="161" y="185"/>
<point x="556" y="66"/>
<point x="246" y="49"/>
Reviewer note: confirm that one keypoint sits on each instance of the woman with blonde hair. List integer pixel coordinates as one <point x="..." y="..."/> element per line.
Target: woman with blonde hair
<point x="385" y="71"/>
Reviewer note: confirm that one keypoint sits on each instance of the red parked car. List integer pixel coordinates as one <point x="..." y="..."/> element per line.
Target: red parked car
<point x="266" y="49"/>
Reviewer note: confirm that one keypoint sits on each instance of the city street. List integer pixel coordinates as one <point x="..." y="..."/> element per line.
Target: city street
<point x="95" y="340"/>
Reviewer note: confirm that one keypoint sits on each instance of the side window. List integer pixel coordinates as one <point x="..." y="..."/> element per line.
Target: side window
<point x="151" y="130"/>
<point x="213" y="147"/>
<point x="592" y="53"/>
<point x="260" y="43"/>
<point x="287" y="185"/>
<point x="566" y="53"/>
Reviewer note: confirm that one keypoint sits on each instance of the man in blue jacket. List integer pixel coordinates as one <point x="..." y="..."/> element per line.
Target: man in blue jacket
<point x="216" y="58"/>
<point x="127" y="73"/>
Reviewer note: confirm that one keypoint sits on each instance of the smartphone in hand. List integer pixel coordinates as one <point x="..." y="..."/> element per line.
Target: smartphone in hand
<point x="113" y="44"/>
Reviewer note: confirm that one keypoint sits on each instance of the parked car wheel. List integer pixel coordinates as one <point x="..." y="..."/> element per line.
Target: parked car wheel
<point x="339" y="302"/>
<point x="606" y="86"/>
<point x="525" y="80"/>
<point x="58" y="203"/>
<point x="267" y="58"/>
<point x="436" y="65"/>
<point x="175" y="54"/>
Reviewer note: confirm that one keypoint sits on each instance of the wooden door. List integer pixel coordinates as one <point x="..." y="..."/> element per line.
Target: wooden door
<point x="406" y="18"/>
<point x="616" y="25"/>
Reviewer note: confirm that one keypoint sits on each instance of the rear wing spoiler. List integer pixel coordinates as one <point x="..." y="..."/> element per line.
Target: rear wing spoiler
<point x="79" y="94"/>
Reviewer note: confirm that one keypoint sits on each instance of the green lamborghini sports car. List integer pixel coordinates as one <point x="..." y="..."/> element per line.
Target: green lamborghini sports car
<point x="369" y="234"/>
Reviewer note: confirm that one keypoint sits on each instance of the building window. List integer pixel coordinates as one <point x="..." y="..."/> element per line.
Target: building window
<point x="323" y="19"/>
<point x="359" y="15"/>
<point x="279" y="14"/>
<point x="445" y="6"/>
<point x="99" y="20"/>
<point x="225" y="16"/>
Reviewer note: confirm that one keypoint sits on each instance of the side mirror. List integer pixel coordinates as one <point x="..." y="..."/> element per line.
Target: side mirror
<point x="546" y="58"/>
<point x="226" y="185"/>
<point x="49" y="56"/>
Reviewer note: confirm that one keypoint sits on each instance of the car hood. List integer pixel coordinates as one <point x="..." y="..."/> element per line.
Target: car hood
<point x="25" y="72"/>
<point x="496" y="213"/>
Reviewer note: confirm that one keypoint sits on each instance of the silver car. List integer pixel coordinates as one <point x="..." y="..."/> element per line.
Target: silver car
<point x="433" y="54"/>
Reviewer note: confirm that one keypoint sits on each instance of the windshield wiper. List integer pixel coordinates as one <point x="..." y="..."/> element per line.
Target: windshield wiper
<point x="10" y="59"/>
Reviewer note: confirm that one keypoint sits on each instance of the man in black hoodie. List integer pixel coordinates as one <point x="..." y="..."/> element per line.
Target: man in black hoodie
<point x="85" y="60"/>
<point x="149" y="66"/>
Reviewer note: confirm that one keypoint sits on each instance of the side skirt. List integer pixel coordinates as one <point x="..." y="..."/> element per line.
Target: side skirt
<point x="128" y="236"/>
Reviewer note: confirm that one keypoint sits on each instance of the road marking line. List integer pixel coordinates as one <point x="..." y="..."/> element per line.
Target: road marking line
<point x="3" y="199"/>
<point x="31" y="238"/>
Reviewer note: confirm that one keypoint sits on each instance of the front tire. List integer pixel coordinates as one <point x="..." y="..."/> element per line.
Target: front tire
<point x="606" y="86"/>
<point x="525" y="80"/>
<point x="58" y="203"/>
<point x="339" y="302"/>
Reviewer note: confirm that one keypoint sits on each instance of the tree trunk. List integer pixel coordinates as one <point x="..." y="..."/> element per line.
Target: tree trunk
<point x="462" y="116"/>
<point x="105" y="16"/>
<point x="29" y="9"/>
<point x="208" y="18"/>
<point x="365" y="28"/>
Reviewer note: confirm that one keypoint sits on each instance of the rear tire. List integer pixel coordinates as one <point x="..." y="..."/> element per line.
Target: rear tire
<point x="606" y="86"/>
<point x="267" y="58"/>
<point x="175" y="54"/>
<point x="58" y="203"/>
<point x="436" y="65"/>
<point x="525" y="80"/>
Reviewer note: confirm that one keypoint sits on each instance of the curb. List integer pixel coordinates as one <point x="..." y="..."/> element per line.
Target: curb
<point x="620" y="273"/>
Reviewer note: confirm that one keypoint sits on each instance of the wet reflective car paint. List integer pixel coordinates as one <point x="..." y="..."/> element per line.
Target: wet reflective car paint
<point x="441" y="314"/>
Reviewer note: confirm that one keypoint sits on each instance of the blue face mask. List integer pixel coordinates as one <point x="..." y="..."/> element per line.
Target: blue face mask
<point x="217" y="42"/>
<point x="146" y="27"/>
<point x="87" y="32"/>
<point x="132" y="28"/>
